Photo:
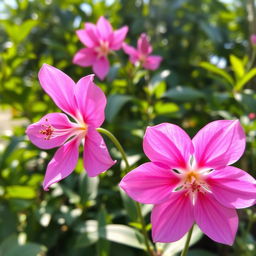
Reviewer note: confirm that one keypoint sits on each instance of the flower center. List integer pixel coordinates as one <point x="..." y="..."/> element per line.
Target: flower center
<point x="49" y="131"/>
<point x="103" y="49"/>
<point x="193" y="182"/>
<point x="142" y="58"/>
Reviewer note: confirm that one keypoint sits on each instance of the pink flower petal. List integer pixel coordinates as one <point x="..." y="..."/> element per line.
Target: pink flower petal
<point x="219" y="143"/>
<point x="85" y="57"/>
<point x="101" y="67"/>
<point x="118" y="38"/>
<point x="92" y="35"/>
<point x="59" y="87"/>
<point x="171" y="220"/>
<point x="62" y="163"/>
<point x="143" y="45"/>
<point x="169" y="144"/>
<point x="216" y="221"/>
<point x="91" y="101"/>
<point x="87" y="36"/>
<point x="132" y="52"/>
<point x="104" y="28"/>
<point x="52" y="122"/>
<point x="233" y="187"/>
<point x="96" y="155"/>
<point x="150" y="183"/>
<point x="152" y="62"/>
<point x="253" y="39"/>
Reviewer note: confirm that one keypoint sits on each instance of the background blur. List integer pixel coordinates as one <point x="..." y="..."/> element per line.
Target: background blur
<point x="207" y="74"/>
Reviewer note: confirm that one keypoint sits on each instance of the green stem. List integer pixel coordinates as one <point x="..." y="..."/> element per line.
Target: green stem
<point x="185" y="250"/>
<point x="144" y="229"/>
<point x="120" y="148"/>
<point x="116" y="143"/>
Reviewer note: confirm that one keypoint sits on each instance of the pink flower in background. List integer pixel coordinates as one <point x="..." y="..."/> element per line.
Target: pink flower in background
<point x="252" y="116"/>
<point x="253" y="39"/>
<point x="142" y="53"/>
<point x="100" y="40"/>
<point x="190" y="181"/>
<point x="85" y="103"/>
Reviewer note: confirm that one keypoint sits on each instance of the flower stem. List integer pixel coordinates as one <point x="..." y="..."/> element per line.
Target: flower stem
<point x="141" y="219"/>
<point x="116" y="143"/>
<point x="144" y="229"/>
<point x="185" y="249"/>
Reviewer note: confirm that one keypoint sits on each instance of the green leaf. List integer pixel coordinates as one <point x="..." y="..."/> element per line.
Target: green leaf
<point x="156" y="82"/>
<point x="22" y="192"/>
<point x="237" y="66"/>
<point x="212" y="32"/>
<point x="115" y="104"/>
<point x="113" y="72"/>
<point x="13" y="144"/>
<point x="11" y="247"/>
<point x="88" y="187"/>
<point x="181" y="93"/>
<point x="130" y="206"/>
<point x="124" y="235"/>
<point x="113" y="232"/>
<point x="246" y="78"/>
<point x="172" y="248"/>
<point x="17" y="33"/>
<point x="166" y="108"/>
<point x="29" y="249"/>
<point x="8" y="222"/>
<point x="212" y="68"/>
<point x="89" y="234"/>
<point x="103" y="245"/>
<point x="247" y="100"/>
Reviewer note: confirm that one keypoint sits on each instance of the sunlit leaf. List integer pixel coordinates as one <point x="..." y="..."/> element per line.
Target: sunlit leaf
<point x="245" y="79"/>
<point x="237" y="66"/>
<point x="113" y="232"/>
<point x="212" y="68"/>
<point x="23" y="192"/>
<point x="170" y="249"/>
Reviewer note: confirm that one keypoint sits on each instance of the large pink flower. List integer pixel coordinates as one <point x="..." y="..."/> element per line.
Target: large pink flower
<point x="85" y="103"/>
<point x="142" y="53"/>
<point x="100" y="40"/>
<point x="190" y="181"/>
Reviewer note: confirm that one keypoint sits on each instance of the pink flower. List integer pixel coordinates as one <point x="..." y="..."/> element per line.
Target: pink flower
<point x="252" y="116"/>
<point x="190" y="181"/>
<point x="100" y="40"/>
<point x="85" y="103"/>
<point x="253" y="39"/>
<point x="142" y="53"/>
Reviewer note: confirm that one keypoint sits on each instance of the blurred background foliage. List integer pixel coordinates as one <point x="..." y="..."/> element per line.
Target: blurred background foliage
<point x="207" y="74"/>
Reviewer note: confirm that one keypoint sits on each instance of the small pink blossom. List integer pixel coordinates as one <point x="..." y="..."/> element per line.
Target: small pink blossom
<point x="100" y="40"/>
<point x="252" y="116"/>
<point x="190" y="181"/>
<point x="142" y="53"/>
<point x="253" y="39"/>
<point x="85" y="103"/>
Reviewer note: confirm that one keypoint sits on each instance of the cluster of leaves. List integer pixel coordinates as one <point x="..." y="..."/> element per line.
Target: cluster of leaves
<point x="82" y="216"/>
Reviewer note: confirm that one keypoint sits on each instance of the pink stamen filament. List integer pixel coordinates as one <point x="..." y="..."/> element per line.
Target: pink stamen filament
<point x="50" y="132"/>
<point x="142" y="58"/>
<point x="193" y="182"/>
<point x="103" y="50"/>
